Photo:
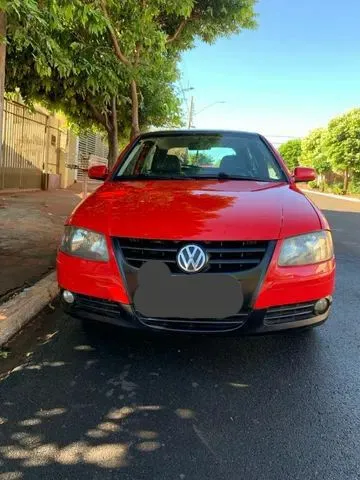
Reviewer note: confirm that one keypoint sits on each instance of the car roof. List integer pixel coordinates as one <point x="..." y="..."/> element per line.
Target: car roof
<point x="163" y="133"/>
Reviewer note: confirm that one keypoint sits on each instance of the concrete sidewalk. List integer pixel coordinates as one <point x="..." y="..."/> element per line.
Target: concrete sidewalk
<point x="31" y="226"/>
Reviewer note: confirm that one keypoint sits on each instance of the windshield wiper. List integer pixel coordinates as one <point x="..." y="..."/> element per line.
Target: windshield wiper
<point x="146" y="176"/>
<point x="227" y="176"/>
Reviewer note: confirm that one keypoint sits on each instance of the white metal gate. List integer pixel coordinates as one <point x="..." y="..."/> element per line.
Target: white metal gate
<point x="23" y="148"/>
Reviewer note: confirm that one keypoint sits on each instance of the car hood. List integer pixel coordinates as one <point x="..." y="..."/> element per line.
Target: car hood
<point x="197" y="210"/>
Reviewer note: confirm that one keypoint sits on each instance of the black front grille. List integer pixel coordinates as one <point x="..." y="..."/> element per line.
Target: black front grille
<point x="224" y="256"/>
<point x="97" y="305"/>
<point x="289" y="313"/>
<point x="198" y="325"/>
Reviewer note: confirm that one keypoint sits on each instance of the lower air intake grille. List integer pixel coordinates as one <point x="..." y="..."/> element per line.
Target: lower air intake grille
<point x="97" y="305"/>
<point x="198" y="325"/>
<point x="108" y="308"/>
<point x="289" y="313"/>
<point x="224" y="256"/>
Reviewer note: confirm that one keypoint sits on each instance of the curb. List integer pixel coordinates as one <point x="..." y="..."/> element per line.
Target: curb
<point x="12" y="191"/>
<point x="18" y="311"/>
<point x="333" y="195"/>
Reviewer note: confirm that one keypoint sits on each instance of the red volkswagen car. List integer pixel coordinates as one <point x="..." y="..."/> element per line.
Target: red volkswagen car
<point x="198" y="232"/>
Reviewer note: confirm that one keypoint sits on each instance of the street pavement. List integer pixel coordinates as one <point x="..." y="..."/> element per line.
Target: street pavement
<point x="116" y="406"/>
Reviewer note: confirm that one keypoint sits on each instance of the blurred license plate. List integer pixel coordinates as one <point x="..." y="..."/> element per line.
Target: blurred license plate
<point x="188" y="296"/>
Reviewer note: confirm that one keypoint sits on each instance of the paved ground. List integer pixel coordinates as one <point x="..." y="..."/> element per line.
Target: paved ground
<point x="31" y="225"/>
<point x="272" y="408"/>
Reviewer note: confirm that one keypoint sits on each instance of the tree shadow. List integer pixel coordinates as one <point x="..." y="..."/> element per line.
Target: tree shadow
<point x="119" y="405"/>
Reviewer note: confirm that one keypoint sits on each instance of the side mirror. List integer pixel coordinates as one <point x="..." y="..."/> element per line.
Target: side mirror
<point x="98" y="172"/>
<point x="304" y="174"/>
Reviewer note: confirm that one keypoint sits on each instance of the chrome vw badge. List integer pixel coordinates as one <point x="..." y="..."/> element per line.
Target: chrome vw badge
<point x="191" y="258"/>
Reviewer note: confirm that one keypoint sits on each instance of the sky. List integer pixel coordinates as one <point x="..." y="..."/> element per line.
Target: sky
<point x="297" y="70"/>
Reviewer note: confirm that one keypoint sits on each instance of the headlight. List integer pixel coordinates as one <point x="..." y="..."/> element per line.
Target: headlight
<point x="306" y="249"/>
<point x="85" y="244"/>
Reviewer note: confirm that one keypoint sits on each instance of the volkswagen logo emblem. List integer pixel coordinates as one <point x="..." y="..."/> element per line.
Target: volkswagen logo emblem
<point x="191" y="258"/>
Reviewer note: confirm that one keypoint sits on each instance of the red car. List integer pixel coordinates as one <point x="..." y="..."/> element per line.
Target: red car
<point x="198" y="232"/>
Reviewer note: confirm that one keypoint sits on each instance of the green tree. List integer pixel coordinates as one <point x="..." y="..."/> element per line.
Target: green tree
<point x="313" y="153"/>
<point x="112" y="63"/>
<point x="291" y="152"/>
<point x="143" y="32"/>
<point x="93" y="87"/>
<point x="342" y="144"/>
<point x="24" y="22"/>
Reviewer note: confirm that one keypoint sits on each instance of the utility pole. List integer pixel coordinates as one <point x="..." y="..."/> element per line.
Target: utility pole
<point x="191" y="112"/>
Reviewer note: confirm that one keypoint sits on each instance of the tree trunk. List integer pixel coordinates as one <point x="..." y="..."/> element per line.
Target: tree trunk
<point x="2" y="74"/>
<point x="113" y="138"/>
<point x="113" y="148"/>
<point x="346" y="180"/>
<point x="135" y="128"/>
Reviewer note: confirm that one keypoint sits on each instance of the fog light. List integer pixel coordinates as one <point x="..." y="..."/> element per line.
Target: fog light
<point x="321" y="306"/>
<point x="68" y="296"/>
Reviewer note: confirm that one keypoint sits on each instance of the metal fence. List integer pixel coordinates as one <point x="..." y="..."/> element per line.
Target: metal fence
<point x="32" y="142"/>
<point x="93" y="144"/>
<point x="92" y="151"/>
<point x="24" y="147"/>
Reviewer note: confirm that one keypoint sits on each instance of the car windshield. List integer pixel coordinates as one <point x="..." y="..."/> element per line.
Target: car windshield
<point x="188" y="156"/>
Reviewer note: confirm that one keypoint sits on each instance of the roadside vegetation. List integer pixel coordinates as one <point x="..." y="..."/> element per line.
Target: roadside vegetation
<point x="333" y="151"/>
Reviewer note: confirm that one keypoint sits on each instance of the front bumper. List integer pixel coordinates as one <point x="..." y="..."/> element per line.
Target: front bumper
<point x="275" y="298"/>
<point x="249" y="322"/>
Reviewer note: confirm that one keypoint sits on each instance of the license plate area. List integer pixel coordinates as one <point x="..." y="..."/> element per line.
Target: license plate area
<point x="197" y="296"/>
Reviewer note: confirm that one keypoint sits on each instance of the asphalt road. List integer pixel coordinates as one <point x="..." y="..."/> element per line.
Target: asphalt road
<point x="120" y="407"/>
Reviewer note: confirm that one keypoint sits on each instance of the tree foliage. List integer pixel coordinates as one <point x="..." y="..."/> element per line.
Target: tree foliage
<point x="342" y="144"/>
<point x="88" y="83"/>
<point x="108" y="63"/>
<point x="30" y="24"/>
<point x="313" y="153"/>
<point x="143" y="32"/>
<point x="342" y="141"/>
<point x="23" y="21"/>
<point x="335" y="148"/>
<point x="291" y="152"/>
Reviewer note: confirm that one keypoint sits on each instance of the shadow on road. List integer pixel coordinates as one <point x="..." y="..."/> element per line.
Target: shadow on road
<point x="148" y="408"/>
